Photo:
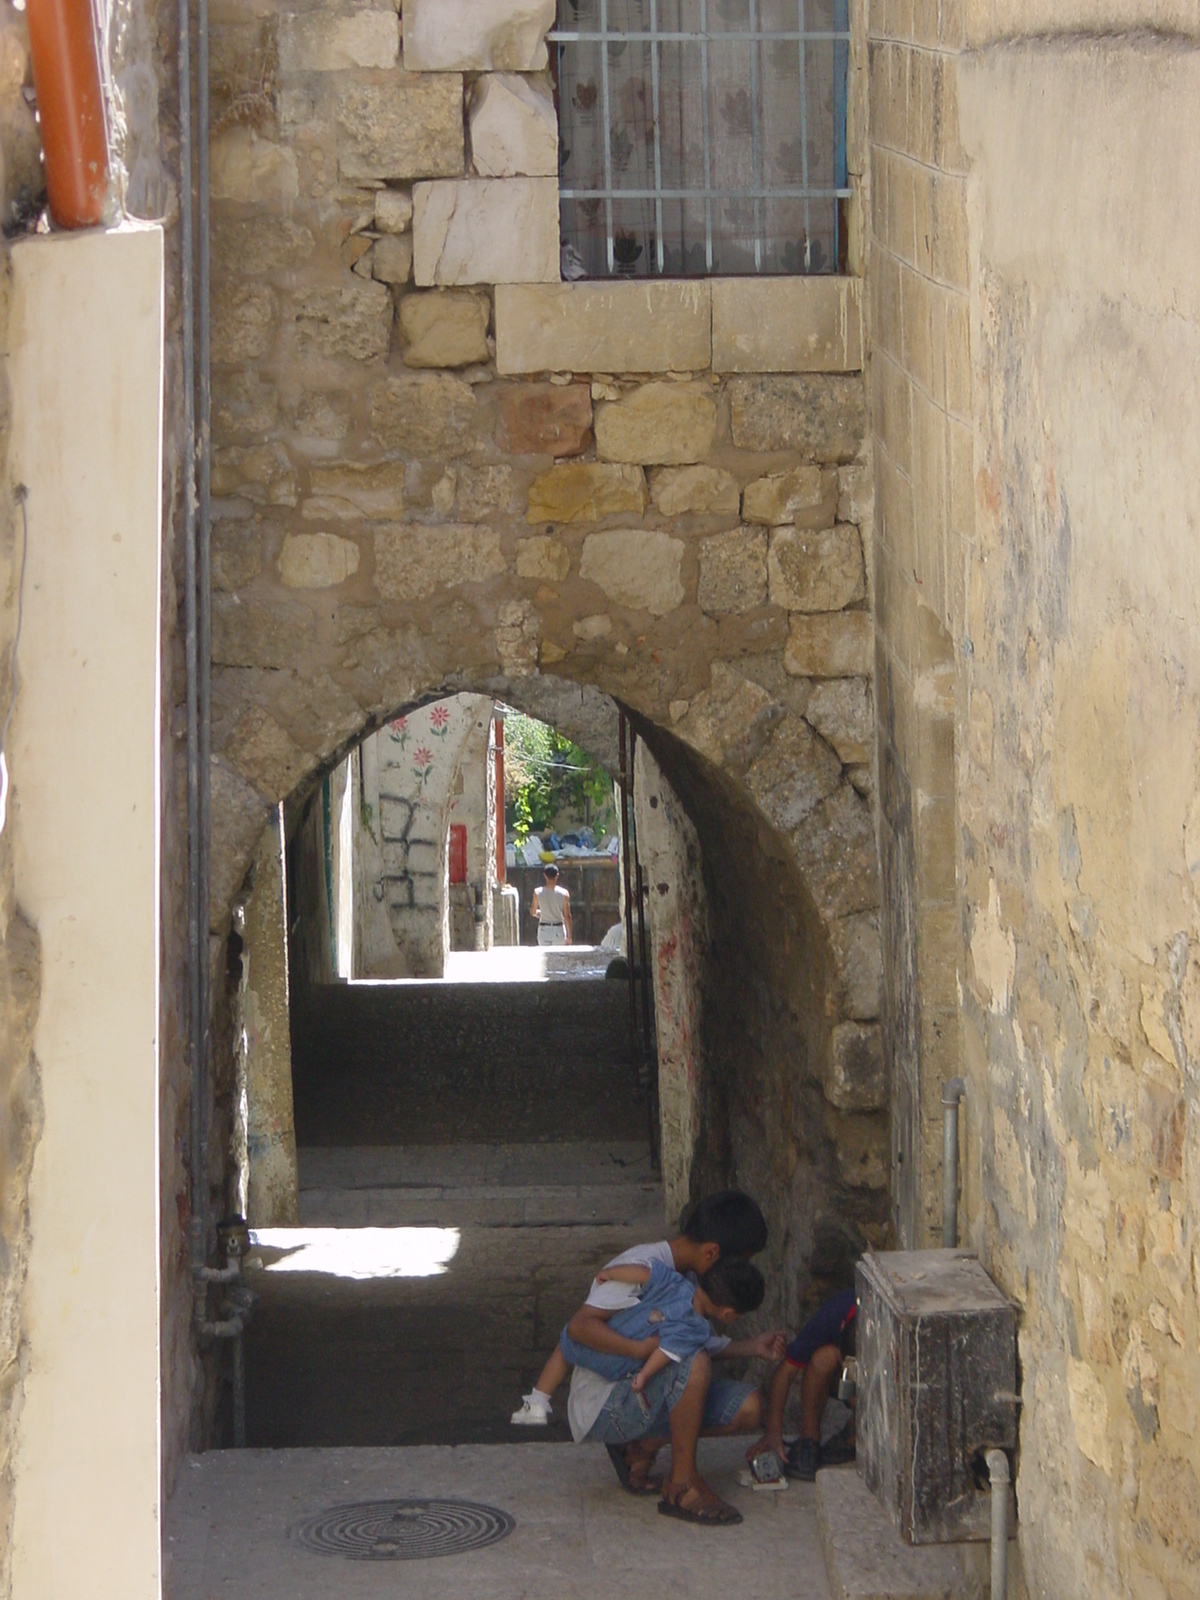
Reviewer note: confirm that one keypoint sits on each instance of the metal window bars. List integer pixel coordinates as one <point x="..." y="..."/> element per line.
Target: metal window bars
<point x="791" y="124"/>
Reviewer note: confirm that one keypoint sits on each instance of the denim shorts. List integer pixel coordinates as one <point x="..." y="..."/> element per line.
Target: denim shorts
<point x="625" y="1417"/>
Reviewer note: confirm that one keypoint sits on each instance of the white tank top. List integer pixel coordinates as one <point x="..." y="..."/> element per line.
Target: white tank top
<point x="550" y="906"/>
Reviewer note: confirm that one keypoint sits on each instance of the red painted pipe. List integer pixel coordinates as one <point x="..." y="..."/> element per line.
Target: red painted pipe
<point x="66" y="76"/>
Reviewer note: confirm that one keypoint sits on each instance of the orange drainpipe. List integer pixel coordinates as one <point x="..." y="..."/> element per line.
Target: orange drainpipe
<point x="66" y="76"/>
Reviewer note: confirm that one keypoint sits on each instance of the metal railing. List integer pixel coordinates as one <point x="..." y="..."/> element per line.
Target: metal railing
<point x="667" y="88"/>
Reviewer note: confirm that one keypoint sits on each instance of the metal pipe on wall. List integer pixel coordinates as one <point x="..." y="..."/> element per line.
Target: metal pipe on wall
<point x="998" y="1476"/>
<point x="952" y="1093"/>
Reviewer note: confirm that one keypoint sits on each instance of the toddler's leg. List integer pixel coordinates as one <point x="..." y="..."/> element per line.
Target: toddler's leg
<point x="535" y="1406"/>
<point x="552" y="1373"/>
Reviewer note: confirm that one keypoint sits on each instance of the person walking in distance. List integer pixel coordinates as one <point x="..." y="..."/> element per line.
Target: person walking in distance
<point x="552" y="908"/>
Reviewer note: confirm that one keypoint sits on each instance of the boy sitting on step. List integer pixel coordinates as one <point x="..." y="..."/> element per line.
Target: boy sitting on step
<point x="818" y="1352"/>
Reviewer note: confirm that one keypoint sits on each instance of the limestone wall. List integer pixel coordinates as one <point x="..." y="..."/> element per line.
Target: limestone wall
<point x="1035" y="425"/>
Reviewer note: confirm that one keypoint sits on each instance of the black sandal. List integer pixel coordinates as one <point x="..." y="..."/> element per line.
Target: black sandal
<point x="621" y="1465"/>
<point x="711" y="1511"/>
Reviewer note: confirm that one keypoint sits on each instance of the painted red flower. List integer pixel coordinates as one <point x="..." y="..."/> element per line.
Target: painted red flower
<point x="422" y="756"/>
<point x="439" y="716"/>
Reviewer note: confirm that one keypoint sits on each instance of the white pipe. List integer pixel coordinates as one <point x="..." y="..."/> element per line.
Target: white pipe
<point x="998" y="1475"/>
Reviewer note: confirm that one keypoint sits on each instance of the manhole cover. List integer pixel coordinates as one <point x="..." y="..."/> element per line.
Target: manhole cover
<point x="404" y="1530"/>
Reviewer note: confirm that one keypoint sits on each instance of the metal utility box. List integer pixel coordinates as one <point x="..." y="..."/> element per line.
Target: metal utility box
<point x="937" y="1377"/>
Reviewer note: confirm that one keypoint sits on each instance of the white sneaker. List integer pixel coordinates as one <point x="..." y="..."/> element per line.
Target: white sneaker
<point x="533" y="1414"/>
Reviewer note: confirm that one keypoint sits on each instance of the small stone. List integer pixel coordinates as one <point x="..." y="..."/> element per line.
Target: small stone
<point x="412" y="562"/>
<point x="317" y="560"/>
<point x="353" y="249"/>
<point x="729" y="721"/>
<point x="659" y="423"/>
<point x="646" y="326"/>
<point x="243" y="405"/>
<point x="551" y="653"/>
<point x="352" y="491"/>
<point x="605" y="390"/>
<point x="513" y="127"/>
<point x="822" y="417"/>
<point x="353" y="322"/>
<point x="637" y="568"/>
<point x="806" y="497"/>
<point x="256" y="472"/>
<point x="544" y="419"/>
<point x="443" y="492"/>
<point x="856" y="495"/>
<point x="323" y="416"/>
<point x="839" y="644"/>
<point x="678" y="491"/>
<point x="391" y="259"/>
<point x="236" y="554"/>
<point x="393" y="211"/>
<point x="250" y="246"/>
<point x="840" y="710"/>
<point x="410" y="126"/>
<point x="250" y="170"/>
<point x="476" y="35"/>
<point x="678" y="709"/>
<point x="858" y="952"/>
<point x="542" y="557"/>
<point x="517" y="638"/>
<point x="483" y="490"/>
<point x="795" y="772"/>
<point x="486" y="230"/>
<point x="856" y="1080"/>
<point x="266" y="755"/>
<point x="836" y="853"/>
<point x="253" y="633"/>
<point x="243" y="324"/>
<point x="596" y="627"/>
<point x="445" y="328"/>
<point x="733" y="571"/>
<point x="585" y="492"/>
<point x="816" y="571"/>
<point x="427" y="414"/>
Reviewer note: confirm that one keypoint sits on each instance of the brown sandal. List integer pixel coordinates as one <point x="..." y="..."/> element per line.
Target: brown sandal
<point x="710" y="1509"/>
<point x="632" y="1481"/>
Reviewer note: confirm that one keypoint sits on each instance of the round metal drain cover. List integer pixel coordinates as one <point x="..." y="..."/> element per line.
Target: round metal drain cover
<point x="404" y="1530"/>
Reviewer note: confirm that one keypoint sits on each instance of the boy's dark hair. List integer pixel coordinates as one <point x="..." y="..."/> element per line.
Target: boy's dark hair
<point x="730" y="1219"/>
<point x="736" y="1282"/>
<point x="551" y="870"/>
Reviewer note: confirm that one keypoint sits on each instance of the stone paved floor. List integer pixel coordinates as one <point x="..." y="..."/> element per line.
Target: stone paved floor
<point x="230" y="1529"/>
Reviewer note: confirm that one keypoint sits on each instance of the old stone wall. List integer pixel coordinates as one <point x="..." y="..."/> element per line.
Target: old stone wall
<point x="1034" y="330"/>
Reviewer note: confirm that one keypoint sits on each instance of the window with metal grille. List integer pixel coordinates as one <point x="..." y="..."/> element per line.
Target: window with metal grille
<point x="701" y="137"/>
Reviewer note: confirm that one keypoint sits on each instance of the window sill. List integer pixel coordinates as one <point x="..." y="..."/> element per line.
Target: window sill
<point x="734" y="325"/>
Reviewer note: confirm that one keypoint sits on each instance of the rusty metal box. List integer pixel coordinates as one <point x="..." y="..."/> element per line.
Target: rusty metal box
<point x="937" y="1377"/>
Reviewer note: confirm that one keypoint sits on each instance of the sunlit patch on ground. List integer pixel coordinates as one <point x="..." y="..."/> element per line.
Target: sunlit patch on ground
<point x="359" y="1253"/>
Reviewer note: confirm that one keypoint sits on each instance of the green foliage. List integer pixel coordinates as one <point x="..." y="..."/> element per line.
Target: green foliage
<point x="545" y="774"/>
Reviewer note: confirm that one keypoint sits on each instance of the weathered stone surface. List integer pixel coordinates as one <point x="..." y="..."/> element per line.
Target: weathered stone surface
<point x="841" y="712"/>
<point x="856" y="1079"/>
<point x="835" y="849"/>
<point x="821" y="571"/>
<point x="323" y="416"/>
<point x="603" y="327"/>
<point x="353" y="322"/>
<point x="486" y="230"/>
<point x="793" y="775"/>
<point x="259" y="472"/>
<point x="407" y="127"/>
<point x="587" y="629"/>
<point x="517" y="638"/>
<point x="252" y="170"/>
<point x="411" y="562"/>
<point x="659" y="424"/>
<point x="393" y="211"/>
<point x="513" y="127"/>
<point x="835" y="645"/>
<point x="351" y="491"/>
<point x="476" y="35"/>
<point x="733" y="571"/>
<point x="823" y="418"/>
<point x="545" y="419"/>
<point x="318" y="42"/>
<point x="243" y="324"/>
<point x="585" y="491"/>
<point x="235" y="553"/>
<point x="806" y="497"/>
<point x="635" y="567"/>
<point x="856" y="495"/>
<point x="429" y="414"/>
<point x="483" y="490"/>
<point x="265" y="755"/>
<point x="445" y="328"/>
<point x="800" y="324"/>
<point x="317" y="560"/>
<point x="858" y="951"/>
<point x="542" y="557"/>
<point x="704" y="491"/>
<point x="244" y="405"/>
<point x="729" y="721"/>
<point x="238" y="814"/>
<point x="255" y="633"/>
<point x="392" y="258"/>
<point x="254" y="245"/>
